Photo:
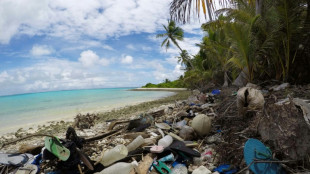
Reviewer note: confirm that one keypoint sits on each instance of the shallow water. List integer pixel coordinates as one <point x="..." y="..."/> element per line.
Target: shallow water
<point x="19" y="110"/>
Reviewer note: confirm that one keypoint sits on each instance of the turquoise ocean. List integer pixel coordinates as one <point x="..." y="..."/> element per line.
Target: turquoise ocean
<point x="17" y="111"/>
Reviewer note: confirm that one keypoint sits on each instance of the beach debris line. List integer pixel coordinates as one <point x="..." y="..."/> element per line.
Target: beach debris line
<point x="202" y="134"/>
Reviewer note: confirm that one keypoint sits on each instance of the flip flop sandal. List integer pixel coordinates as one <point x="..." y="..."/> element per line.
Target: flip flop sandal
<point x="15" y="159"/>
<point x="161" y="167"/>
<point x="180" y="146"/>
<point x="53" y="145"/>
<point x="254" y="149"/>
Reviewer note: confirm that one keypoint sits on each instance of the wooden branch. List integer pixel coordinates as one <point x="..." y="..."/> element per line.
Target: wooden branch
<point x="105" y="135"/>
<point x="26" y="137"/>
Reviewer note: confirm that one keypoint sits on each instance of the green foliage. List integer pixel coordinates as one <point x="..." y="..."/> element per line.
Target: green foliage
<point x="173" y="33"/>
<point x="268" y="41"/>
<point x="166" y="84"/>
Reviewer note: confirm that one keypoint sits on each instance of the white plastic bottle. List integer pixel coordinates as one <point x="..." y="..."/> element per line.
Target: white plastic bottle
<point x="179" y="169"/>
<point x="135" y="143"/>
<point x="119" y="168"/>
<point x="117" y="153"/>
<point x="202" y="170"/>
<point x="165" y="141"/>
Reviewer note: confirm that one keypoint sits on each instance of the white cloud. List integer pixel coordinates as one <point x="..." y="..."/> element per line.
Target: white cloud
<point x="74" y="19"/>
<point x="41" y="50"/>
<point x="126" y="59"/>
<point x="89" y="58"/>
<point x="108" y="47"/>
<point x="130" y="46"/>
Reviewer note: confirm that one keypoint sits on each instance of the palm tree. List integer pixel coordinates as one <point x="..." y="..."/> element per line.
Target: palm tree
<point x="173" y="33"/>
<point x="181" y="10"/>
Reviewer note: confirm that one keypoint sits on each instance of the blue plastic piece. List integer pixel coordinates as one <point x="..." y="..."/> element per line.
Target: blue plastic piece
<point x="225" y="169"/>
<point x="254" y="149"/>
<point x="215" y="92"/>
<point x="37" y="161"/>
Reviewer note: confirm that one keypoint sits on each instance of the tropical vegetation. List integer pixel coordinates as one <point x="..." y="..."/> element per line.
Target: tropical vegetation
<point x="167" y="84"/>
<point x="258" y="40"/>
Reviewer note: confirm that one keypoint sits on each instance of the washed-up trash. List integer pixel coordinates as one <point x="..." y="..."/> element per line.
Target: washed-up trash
<point x="145" y="164"/>
<point x="181" y="123"/>
<point x="216" y="92"/>
<point x="163" y="126"/>
<point x="252" y="86"/>
<point x="249" y="99"/>
<point x="180" y="146"/>
<point x="279" y="87"/>
<point x="176" y="137"/>
<point x="167" y="158"/>
<point x="157" y="149"/>
<point x="225" y="169"/>
<point x="161" y="167"/>
<point x="207" y="155"/>
<point x="53" y="145"/>
<point x="161" y="132"/>
<point x="201" y="170"/>
<point x="165" y="141"/>
<point x="202" y="124"/>
<point x="15" y="159"/>
<point x="134" y="135"/>
<point x="187" y="133"/>
<point x="27" y="169"/>
<point x="135" y="143"/>
<point x="256" y="150"/>
<point x="305" y="107"/>
<point x="179" y="169"/>
<point x="119" y="168"/>
<point x="141" y="128"/>
<point x="71" y="164"/>
<point x="181" y="114"/>
<point x="149" y="141"/>
<point x="115" y="154"/>
<point x="216" y="138"/>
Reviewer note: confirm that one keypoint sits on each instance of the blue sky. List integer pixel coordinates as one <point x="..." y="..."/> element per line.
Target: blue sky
<point x="59" y="45"/>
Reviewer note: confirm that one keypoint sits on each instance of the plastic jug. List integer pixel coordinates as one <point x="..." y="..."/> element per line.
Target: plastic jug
<point x="135" y="143"/>
<point x="202" y="170"/>
<point x="119" y="168"/>
<point x="115" y="154"/>
<point x="179" y="169"/>
<point x="165" y="141"/>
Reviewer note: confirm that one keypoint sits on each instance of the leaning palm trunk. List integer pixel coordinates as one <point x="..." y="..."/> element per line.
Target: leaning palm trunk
<point x="225" y="79"/>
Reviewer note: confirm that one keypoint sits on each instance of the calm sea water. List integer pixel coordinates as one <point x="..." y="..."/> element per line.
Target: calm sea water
<point x="19" y="110"/>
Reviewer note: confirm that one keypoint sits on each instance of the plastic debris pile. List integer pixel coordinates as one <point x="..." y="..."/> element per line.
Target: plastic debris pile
<point x="223" y="131"/>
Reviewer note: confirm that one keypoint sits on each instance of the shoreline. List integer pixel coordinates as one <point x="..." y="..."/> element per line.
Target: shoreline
<point x="160" y="89"/>
<point x="68" y="114"/>
<point x="56" y="126"/>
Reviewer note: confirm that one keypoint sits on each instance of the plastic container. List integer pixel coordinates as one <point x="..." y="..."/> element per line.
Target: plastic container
<point x="117" y="153"/>
<point x="167" y="158"/>
<point x="165" y="141"/>
<point x="135" y="143"/>
<point x="119" y="168"/>
<point x="179" y="169"/>
<point x="201" y="170"/>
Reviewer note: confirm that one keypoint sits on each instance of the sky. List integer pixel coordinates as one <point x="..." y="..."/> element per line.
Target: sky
<point x="48" y="45"/>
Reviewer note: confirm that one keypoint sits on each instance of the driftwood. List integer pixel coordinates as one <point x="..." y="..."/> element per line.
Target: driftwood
<point x="26" y="137"/>
<point x="104" y="135"/>
<point x="114" y="123"/>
